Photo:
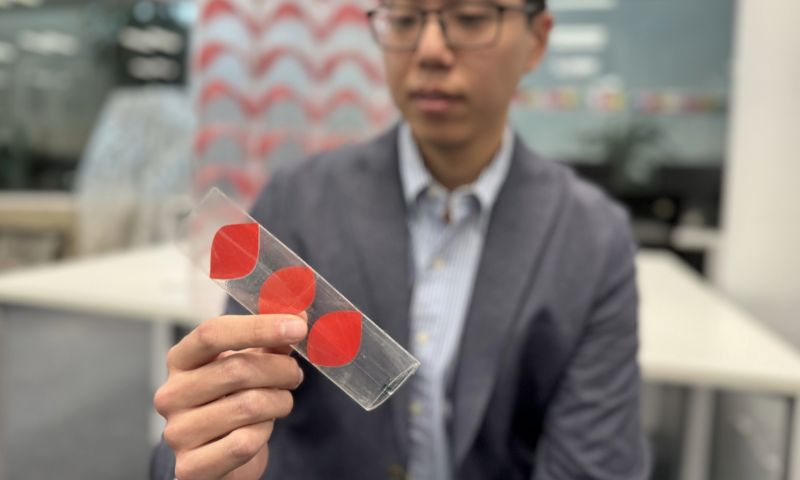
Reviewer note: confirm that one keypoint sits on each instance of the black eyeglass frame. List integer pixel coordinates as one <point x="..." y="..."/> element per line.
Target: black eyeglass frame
<point x="530" y="9"/>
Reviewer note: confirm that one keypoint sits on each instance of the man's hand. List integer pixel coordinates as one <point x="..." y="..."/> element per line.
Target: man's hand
<point x="228" y="381"/>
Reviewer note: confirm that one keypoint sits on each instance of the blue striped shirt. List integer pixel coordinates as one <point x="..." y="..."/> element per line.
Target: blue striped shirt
<point x="445" y="261"/>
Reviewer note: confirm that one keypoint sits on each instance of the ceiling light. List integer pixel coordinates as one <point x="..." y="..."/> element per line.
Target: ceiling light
<point x="589" y="37"/>
<point x="580" y="5"/>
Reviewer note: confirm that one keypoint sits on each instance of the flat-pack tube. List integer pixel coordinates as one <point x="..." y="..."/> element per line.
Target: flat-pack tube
<point x="266" y="277"/>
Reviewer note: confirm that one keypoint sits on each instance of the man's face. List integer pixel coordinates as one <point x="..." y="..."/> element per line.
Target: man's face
<point x="451" y="97"/>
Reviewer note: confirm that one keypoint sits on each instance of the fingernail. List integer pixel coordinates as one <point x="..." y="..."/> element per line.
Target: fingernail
<point x="294" y="330"/>
<point x="302" y="375"/>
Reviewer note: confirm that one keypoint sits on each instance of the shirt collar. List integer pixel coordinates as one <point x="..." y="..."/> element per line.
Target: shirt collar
<point x="416" y="178"/>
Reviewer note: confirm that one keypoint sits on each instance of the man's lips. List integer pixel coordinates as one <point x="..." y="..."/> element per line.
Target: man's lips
<point x="435" y="101"/>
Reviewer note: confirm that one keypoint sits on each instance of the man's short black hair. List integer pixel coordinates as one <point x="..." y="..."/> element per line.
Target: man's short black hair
<point x="535" y="8"/>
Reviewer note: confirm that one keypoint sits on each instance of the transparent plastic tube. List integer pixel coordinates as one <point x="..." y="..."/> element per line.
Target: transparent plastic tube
<point x="265" y="277"/>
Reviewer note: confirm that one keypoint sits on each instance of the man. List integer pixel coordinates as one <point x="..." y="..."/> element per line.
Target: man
<point x="512" y="281"/>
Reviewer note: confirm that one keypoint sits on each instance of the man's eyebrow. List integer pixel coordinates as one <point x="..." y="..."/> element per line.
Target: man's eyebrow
<point x="421" y="3"/>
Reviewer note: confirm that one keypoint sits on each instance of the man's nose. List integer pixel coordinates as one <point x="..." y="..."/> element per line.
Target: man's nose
<point x="432" y="41"/>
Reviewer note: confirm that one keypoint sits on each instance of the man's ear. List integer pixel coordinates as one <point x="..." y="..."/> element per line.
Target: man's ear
<point x="540" y="27"/>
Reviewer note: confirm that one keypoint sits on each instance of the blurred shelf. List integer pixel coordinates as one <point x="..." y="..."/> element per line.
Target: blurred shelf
<point x="37" y="211"/>
<point x="41" y="213"/>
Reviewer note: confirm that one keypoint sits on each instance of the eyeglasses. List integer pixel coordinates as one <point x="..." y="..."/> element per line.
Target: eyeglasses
<point x="466" y="25"/>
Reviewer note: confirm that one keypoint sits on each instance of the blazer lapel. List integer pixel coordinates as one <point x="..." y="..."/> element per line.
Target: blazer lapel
<point x="376" y="213"/>
<point x="522" y="217"/>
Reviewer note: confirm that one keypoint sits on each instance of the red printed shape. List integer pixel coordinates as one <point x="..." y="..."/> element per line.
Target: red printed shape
<point x="335" y="339"/>
<point x="234" y="251"/>
<point x="289" y="290"/>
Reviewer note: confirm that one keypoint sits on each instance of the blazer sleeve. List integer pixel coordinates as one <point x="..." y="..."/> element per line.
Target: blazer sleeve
<point x="592" y="427"/>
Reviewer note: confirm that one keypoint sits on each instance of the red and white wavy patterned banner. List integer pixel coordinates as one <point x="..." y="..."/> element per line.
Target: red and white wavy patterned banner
<point x="275" y="80"/>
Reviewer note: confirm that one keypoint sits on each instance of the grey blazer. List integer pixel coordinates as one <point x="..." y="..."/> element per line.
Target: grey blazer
<point x="547" y="383"/>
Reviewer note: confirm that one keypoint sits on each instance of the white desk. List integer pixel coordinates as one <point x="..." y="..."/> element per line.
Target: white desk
<point x="152" y="284"/>
<point x="690" y="334"/>
<point x="693" y="336"/>
<point x="97" y="297"/>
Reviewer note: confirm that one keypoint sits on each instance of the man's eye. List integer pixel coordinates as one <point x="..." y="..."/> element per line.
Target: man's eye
<point x="402" y="22"/>
<point x="472" y="20"/>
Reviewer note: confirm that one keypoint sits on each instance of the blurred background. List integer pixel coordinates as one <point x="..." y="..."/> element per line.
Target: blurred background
<point x="116" y="115"/>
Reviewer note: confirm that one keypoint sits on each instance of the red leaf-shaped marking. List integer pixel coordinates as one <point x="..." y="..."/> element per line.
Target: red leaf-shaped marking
<point x="289" y="290"/>
<point x="234" y="251"/>
<point x="335" y="339"/>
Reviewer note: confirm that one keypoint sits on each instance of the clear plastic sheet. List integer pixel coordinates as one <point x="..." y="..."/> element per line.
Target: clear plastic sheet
<point x="266" y="277"/>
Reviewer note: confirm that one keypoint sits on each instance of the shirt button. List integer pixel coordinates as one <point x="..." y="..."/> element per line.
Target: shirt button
<point x="415" y="408"/>
<point x="422" y="338"/>
<point x="438" y="263"/>
<point x="436" y="192"/>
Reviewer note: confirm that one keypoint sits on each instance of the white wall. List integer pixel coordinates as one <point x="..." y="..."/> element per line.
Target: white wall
<point x="759" y="260"/>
